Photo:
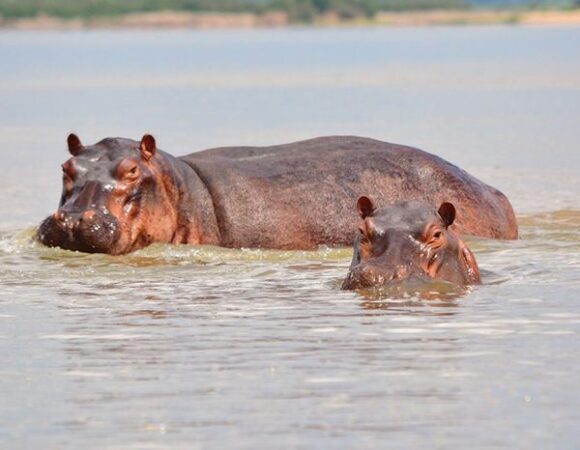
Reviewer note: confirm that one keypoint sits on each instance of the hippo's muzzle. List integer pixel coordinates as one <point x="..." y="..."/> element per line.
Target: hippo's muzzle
<point x="90" y="231"/>
<point x="369" y="275"/>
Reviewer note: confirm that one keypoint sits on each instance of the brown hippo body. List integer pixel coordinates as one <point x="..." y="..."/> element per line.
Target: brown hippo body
<point x="300" y="195"/>
<point x="120" y="195"/>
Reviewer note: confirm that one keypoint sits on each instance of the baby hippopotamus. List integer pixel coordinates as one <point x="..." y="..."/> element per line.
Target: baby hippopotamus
<point x="409" y="240"/>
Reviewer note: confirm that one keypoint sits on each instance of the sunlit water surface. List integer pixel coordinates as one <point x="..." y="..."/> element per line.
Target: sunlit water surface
<point x="201" y="347"/>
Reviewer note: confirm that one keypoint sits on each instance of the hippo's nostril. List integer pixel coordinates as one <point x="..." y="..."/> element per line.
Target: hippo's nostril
<point x="400" y="273"/>
<point x="59" y="216"/>
<point x="88" y="215"/>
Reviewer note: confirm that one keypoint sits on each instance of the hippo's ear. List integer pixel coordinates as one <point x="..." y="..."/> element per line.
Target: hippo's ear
<point x="74" y="144"/>
<point x="365" y="206"/>
<point x="447" y="213"/>
<point x="148" y="147"/>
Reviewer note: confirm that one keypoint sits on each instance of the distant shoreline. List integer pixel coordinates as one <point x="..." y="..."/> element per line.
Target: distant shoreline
<point x="185" y="20"/>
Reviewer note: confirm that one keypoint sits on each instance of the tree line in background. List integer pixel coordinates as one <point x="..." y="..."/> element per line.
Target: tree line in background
<point x="297" y="10"/>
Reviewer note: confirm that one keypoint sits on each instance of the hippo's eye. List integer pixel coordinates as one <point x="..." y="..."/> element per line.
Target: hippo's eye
<point x="132" y="173"/>
<point x="67" y="177"/>
<point x="66" y="171"/>
<point x="435" y="237"/>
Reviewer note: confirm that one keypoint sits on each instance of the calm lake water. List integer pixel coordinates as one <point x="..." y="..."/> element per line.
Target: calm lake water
<point x="198" y="347"/>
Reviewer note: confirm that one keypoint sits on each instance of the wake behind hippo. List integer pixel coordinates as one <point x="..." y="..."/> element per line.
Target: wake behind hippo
<point x="121" y="195"/>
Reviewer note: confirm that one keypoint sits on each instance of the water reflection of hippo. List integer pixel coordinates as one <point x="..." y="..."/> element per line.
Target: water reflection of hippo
<point x="120" y="195"/>
<point x="409" y="240"/>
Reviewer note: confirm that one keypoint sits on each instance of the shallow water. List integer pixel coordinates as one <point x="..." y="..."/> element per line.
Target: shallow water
<point x="202" y="347"/>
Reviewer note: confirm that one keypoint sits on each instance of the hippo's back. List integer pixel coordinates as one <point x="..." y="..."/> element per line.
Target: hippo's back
<point x="303" y="194"/>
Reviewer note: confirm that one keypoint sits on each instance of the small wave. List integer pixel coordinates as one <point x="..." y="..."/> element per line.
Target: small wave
<point x="15" y="241"/>
<point x="19" y="241"/>
<point x="212" y="254"/>
<point x="567" y="219"/>
<point x="414" y="292"/>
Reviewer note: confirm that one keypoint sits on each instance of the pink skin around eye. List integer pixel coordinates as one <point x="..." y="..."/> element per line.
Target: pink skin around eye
<point x="127" y="169"/>
<point x="69" y="169"/>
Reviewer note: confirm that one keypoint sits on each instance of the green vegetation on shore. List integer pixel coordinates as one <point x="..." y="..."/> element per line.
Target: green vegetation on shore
<point x="297" y="10"/>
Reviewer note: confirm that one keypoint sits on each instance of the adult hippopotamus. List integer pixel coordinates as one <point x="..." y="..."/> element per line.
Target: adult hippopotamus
<point x="120" y="195"/>
<point x="409" y="240"/>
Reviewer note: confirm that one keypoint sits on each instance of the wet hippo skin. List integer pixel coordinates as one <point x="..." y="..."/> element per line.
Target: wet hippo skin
<point x="409" y="240"/>
<point x="292" y="196"/>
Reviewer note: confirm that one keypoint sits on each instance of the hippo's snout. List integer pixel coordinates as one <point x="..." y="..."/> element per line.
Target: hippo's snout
<point x="369" y="275"/>
<point x="74" y="221"/>
<point x="89" y="231"/>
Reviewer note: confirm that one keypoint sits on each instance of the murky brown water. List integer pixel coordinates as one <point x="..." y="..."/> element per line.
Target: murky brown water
<point x="200" y="347"/>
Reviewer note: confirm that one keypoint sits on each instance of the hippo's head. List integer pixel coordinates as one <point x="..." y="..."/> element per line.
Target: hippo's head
<point x="408" y="240"/>
<point x="110" y="192"/>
